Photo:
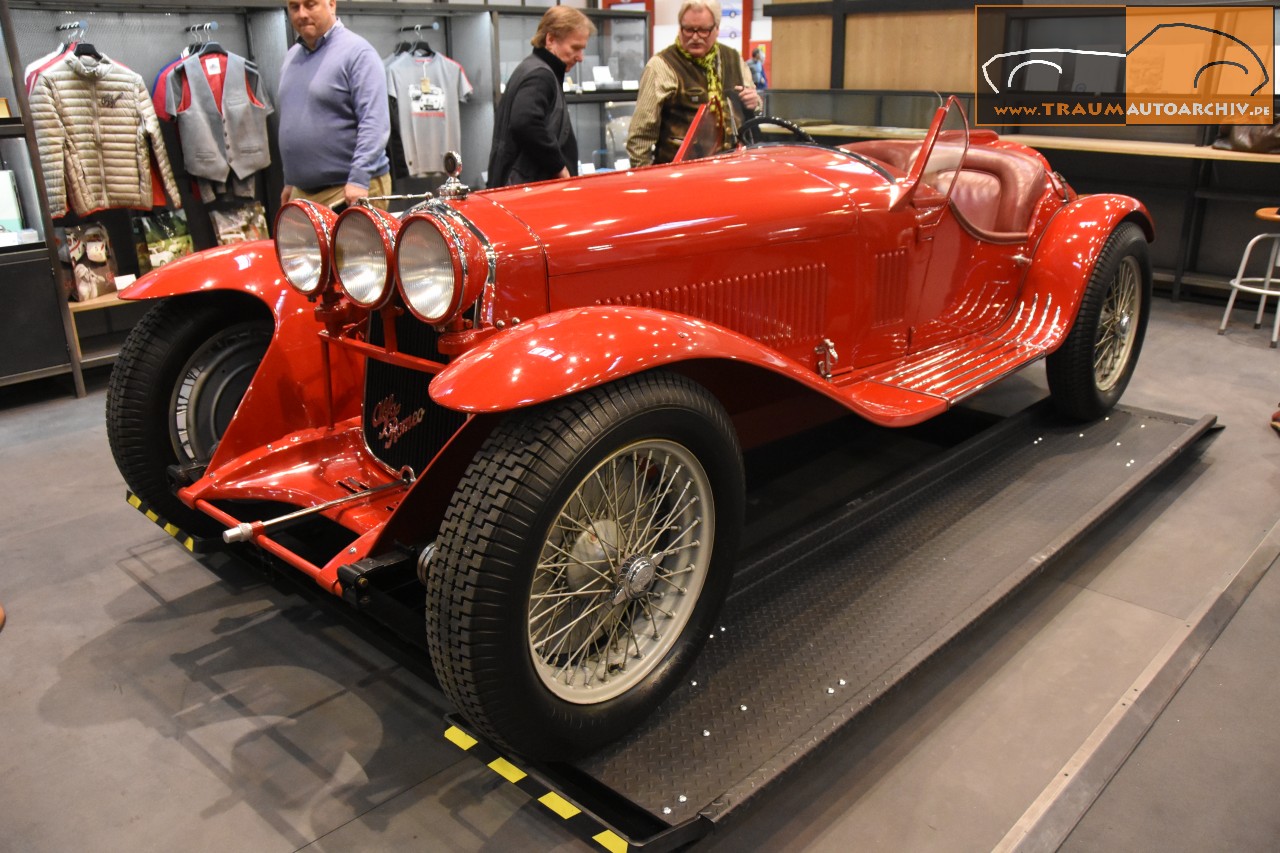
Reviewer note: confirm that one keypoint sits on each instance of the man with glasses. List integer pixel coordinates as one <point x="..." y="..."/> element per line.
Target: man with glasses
<point x="696" y="70"/>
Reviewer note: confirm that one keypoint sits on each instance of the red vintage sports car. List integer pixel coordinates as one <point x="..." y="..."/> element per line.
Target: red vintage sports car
<point x="538" y="395"/>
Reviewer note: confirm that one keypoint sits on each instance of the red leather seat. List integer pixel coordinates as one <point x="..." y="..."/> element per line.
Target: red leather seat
<point x="995" y="193"/>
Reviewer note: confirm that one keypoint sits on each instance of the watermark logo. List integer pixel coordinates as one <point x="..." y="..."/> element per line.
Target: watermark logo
<point x="1117" y="65"/>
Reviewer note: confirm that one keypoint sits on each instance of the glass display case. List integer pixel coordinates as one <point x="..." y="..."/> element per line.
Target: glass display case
<point x="614" y="58"/>
<point x="600" y="90"/>
<point x="20" y="222"/>
<point x="33" y="336"/>
<point x="601" y="127"/>
<point x="21" y="225"/>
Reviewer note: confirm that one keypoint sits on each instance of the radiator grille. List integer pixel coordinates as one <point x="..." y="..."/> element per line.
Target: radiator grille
<point x="402" y="426"/>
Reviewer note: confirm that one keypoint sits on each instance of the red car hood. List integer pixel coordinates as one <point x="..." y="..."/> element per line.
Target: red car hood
<point x="744" y="200"/>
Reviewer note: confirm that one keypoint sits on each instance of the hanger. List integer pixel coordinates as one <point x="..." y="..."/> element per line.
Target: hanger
<point x="85" y="49"/>
<point x="419" y="45"/>
<point x="77" y="32"/>
<point x="200" y="44"/>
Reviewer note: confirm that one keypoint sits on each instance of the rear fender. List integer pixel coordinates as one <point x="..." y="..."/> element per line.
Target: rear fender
<point x="1064" y="260"/>
<point x="290" y="391"/>
<point x="568" y="351"/>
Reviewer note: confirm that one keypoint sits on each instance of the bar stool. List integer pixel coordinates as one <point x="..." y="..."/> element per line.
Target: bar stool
<point x="1260" y="285"/>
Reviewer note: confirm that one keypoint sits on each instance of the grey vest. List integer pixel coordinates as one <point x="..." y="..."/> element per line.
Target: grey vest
<point x="215" y="144"/>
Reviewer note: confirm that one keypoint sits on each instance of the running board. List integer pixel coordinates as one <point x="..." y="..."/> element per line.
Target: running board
<point x="927" y="383"/>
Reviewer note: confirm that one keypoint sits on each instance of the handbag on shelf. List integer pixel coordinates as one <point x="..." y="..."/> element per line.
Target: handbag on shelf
<point x="86" y="251"/>
<point x="1254" y="138"/>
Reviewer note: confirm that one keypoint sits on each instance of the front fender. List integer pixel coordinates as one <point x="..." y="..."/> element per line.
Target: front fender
<point x="1064" y="259"/>
<point x="293" y="388"/>
<point x="568" y="351"/>
<point x="249" y="268"/>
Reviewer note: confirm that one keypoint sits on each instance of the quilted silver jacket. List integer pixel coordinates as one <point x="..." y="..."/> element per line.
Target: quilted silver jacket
<point x="93" y="121"/>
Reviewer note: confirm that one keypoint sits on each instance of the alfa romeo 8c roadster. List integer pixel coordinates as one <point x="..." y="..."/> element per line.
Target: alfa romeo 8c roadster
<point x="534" y="399"/>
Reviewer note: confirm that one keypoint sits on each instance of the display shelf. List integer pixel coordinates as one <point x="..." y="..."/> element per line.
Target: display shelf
<point x="33" y="375"/>
<point x="480" y="37"/>
<point x="106" y="300"/>
<point x="101" y="349"/>
<point x="27" y="246"/>
<point x="100" y="325"/>
<point x="601" y="97"/>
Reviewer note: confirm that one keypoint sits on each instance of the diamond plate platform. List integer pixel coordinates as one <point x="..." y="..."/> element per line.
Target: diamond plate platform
<point x="859" y="565"/>
<point x="834" y="614"/>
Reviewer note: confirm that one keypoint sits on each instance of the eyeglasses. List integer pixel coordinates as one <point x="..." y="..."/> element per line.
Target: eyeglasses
<point x="697" y="31"/>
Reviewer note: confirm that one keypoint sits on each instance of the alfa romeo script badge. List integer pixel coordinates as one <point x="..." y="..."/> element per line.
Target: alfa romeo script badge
<point x="386" y="419"/>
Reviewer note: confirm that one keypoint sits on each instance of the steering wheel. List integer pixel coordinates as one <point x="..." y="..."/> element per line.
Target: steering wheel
<point x="748" y="128"/>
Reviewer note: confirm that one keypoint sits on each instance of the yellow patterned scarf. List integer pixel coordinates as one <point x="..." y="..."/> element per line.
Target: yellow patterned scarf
<point x="715" y="88"/>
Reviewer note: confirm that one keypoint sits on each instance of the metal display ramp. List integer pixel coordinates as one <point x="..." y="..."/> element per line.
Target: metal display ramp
<point x="832" y="615"/>
<point x="845" y="587"/>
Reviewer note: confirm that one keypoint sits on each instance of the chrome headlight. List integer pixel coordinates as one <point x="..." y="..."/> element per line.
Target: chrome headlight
<point x="303" y="230"/>
<point x="430" y="275"/>
<point x="362" y="246"/>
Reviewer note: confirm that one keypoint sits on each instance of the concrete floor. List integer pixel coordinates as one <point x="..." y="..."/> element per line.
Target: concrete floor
<point x="155" y="700"/>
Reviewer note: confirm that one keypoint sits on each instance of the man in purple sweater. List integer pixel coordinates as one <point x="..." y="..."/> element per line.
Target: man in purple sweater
<point x="334" y="117"/>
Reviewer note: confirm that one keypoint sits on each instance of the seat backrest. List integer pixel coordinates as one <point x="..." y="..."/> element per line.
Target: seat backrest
<point x="976" y="196"/>
<point x="996" y="191"/>
<point x="1022" y="183"/>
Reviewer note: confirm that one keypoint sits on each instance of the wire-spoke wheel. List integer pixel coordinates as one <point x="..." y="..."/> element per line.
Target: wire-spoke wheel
<point x="1090" y="371"/>
<point x="620" y="571"/>
<point x="1118" y="325"/>
<point x="582" y="562"/>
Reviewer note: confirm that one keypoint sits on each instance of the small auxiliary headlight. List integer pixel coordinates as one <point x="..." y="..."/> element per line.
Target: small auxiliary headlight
<point x="430" y="276"/>
<point x="303" y="230"/>
<point x="362" y="249"/>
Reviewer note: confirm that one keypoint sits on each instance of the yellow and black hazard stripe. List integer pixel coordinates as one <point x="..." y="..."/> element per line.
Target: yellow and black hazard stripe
<point x="186" y="540"/>
<point x="581" y="823"/>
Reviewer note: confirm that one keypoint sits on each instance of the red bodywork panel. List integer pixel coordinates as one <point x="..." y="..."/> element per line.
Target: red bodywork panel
<point x="804" y="263"/>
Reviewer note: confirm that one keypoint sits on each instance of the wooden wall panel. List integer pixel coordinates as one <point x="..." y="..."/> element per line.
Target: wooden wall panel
<point x="910" y="50"/>
<point x="801" y="53"/>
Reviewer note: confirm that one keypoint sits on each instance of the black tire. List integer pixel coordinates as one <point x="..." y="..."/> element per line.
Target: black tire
<point x="179" y="378"/>
<point x="1089" y="372"/>
<point x="543" y="530"/>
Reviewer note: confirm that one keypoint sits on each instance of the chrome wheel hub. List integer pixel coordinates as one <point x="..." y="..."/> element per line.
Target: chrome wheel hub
<point x="635" y="578"/>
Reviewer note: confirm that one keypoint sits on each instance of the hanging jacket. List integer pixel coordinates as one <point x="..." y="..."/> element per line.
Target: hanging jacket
<point x="97" y="131"/>
<point x="218" y="136"/>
